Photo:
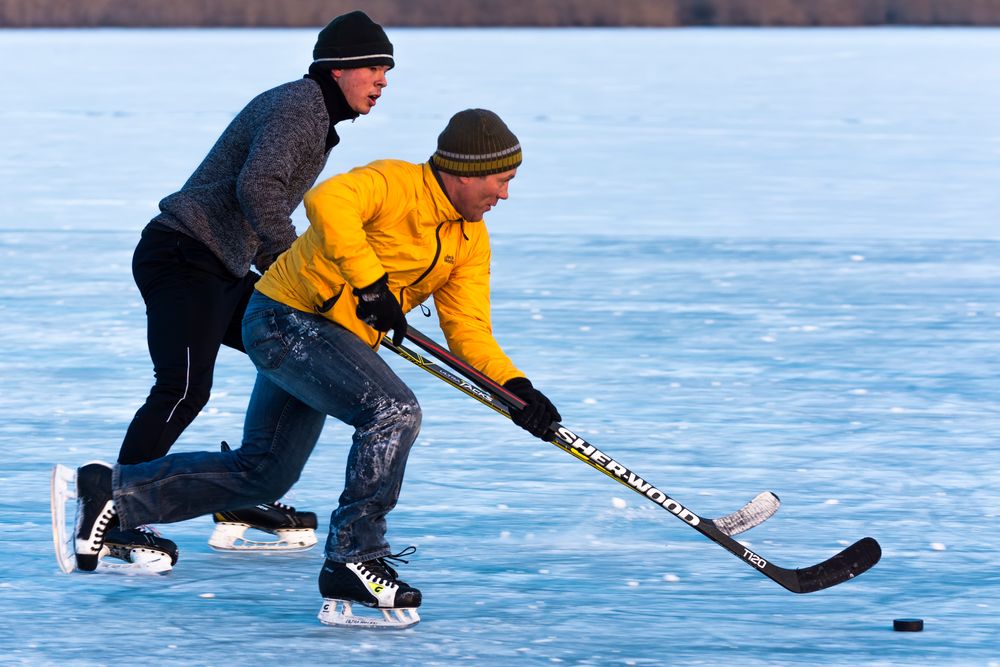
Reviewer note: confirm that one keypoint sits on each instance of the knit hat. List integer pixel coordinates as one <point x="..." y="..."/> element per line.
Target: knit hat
<point x="476" y="143"/>
<point x="353" y="40"/>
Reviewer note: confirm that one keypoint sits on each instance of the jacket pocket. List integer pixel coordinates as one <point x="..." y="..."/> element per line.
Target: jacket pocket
<point x="328" y="304"/>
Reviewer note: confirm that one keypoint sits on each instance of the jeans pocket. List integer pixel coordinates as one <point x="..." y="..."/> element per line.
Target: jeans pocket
<point x="263" y="339"/>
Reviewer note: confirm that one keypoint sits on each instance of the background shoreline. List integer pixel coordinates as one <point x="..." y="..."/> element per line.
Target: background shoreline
<point x="506" y="13"/>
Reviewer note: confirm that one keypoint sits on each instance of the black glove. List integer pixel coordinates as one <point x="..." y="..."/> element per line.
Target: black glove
<point x="538" y="412"/>
<point x="378" y="308"/>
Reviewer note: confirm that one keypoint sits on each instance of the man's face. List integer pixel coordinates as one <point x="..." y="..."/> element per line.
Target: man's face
<point x="361" y="86"/>
<point x="475" y="195"/>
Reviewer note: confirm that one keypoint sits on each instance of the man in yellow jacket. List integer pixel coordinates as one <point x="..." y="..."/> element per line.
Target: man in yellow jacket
<point x="382" y="239"/>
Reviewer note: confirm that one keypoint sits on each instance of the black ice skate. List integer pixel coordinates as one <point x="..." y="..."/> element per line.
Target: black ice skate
<point x="294" y="530"/>
<point x="138" y="551"/>
<point x="90" y="485"/>
<point x="372" y="583"/>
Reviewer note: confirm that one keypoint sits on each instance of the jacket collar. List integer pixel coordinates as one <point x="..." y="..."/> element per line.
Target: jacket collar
<point x="442" y="204"/>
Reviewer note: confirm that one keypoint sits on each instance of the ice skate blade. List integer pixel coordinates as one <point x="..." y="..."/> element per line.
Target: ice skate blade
<point x="144" y="562"/>
<point x="62" y="491"/>
<point x="230" y="537"/>
<point x="339" y="613"/>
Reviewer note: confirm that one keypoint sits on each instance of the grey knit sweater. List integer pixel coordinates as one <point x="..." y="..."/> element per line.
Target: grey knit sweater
<point x="240" y="199"/>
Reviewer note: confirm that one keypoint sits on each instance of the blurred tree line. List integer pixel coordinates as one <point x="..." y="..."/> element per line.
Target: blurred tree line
<point x="302" y="13"/>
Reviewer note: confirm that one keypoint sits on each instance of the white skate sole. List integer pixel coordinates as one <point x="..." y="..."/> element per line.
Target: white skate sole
<point x="140" y="561"/>
<point x="340" y="614"/>
<point x="229" y="536"/>
<point x="62" y="492"/>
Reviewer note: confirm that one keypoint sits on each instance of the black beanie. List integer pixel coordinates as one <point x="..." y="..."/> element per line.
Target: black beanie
<point x="476" y="143"/>
<point x="353" y="40"/>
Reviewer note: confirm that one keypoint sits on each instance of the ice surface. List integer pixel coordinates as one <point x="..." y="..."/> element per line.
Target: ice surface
<point x="737" y="260"/>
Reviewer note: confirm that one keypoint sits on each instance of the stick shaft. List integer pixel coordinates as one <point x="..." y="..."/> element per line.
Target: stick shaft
<point x="850" y="562"/>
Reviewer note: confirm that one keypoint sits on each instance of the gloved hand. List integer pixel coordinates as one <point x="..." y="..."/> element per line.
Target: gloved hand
<point x="378" y="308"/>
<point x="538" y="412"/>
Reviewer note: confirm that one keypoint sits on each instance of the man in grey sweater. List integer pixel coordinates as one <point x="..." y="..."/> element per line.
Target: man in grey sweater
<point x="193" y="262"/>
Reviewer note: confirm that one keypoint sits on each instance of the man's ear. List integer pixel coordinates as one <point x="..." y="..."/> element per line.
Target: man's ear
<point x="336" y="73"/>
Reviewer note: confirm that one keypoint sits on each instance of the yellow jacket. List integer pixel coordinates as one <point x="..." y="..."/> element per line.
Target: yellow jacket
<point x="393" y="217"/>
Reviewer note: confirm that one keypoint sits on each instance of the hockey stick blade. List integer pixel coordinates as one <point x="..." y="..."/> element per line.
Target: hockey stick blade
<point x="847" y="564"/>
<point x="754" y="513"/>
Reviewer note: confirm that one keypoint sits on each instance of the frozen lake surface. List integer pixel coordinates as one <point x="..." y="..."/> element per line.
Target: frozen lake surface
<point x="737" y="260"/>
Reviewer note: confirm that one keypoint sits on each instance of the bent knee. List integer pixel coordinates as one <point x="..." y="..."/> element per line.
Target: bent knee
<point x="399" y="412"/>
<point x="193" y="396"/>
<point x="405" y="411"/>
<point x="413" y="416"/>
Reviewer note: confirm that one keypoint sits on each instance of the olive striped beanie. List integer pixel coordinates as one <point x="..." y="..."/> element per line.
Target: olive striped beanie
<point x="476" y="143"/>
<point x="351" y="41"/>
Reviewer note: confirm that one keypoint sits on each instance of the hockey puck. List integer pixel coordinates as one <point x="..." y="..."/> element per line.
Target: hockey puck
<point x="908" y="624"/>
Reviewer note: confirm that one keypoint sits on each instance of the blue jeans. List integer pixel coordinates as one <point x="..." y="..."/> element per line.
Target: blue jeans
<point x="308" y="368"/>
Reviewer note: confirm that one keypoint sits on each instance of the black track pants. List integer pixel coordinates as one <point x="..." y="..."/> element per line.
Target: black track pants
<point x="193" y="306"/>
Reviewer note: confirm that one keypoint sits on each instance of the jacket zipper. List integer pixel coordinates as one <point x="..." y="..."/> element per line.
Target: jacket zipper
<point x="437" y="254"/>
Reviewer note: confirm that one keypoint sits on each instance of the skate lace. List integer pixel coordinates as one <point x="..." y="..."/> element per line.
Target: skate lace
<point x="283" y="506"/>
<point x="379" y="571"/>
<point x="103" y="522"/>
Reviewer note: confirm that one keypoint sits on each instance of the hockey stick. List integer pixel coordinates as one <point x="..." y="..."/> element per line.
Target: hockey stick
<point x="849" y="563"/>
<point x="757" y="511"/>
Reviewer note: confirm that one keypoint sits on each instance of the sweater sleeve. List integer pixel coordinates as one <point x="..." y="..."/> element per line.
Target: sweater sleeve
<point x="264" y="187"/>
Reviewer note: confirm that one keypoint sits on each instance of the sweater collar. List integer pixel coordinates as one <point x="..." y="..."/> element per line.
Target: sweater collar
<point x="336" y="104"/>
